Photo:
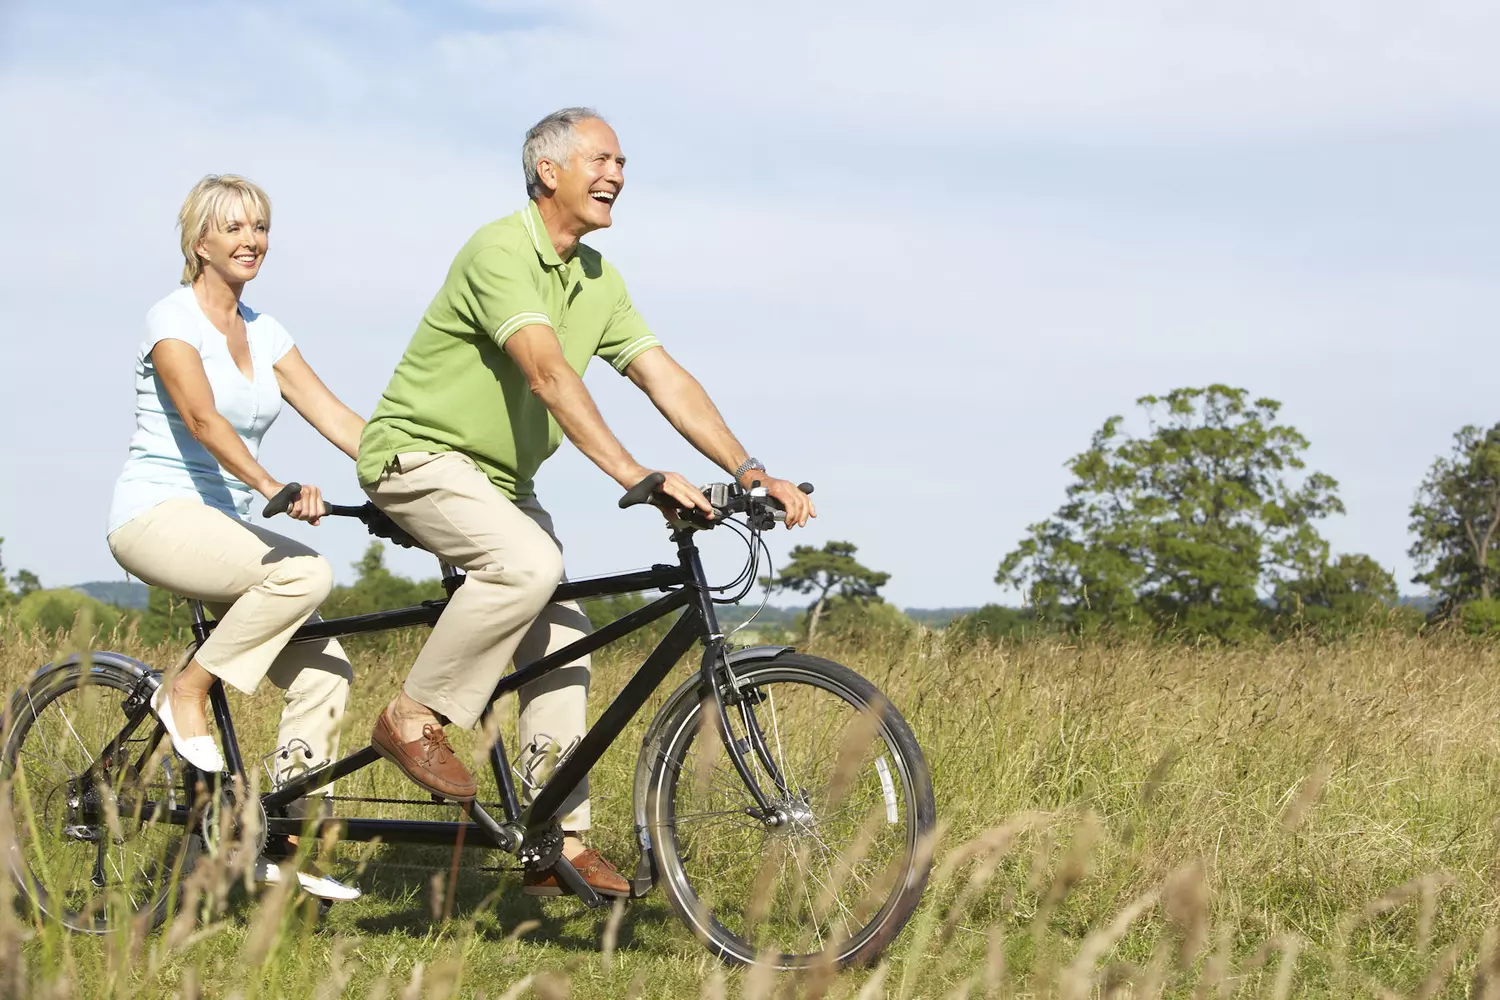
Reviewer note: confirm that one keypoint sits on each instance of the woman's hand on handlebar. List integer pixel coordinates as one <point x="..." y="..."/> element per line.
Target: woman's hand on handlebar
<point x="798" y="505"/>
<point x="307" y="507"/>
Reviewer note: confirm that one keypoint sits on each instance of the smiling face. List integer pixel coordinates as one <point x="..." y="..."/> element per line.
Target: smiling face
<point x="235" y="244"/>
<point x="585" y="188"/>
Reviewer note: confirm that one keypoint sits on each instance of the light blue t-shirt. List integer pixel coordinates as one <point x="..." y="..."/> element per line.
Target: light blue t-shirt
<point x="165" y="461"/>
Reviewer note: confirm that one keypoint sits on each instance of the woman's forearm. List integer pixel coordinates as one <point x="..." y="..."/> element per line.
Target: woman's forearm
<point x="223" y="442"/>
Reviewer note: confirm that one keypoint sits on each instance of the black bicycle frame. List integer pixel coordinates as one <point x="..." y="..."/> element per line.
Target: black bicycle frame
<point x="686" y="590"/>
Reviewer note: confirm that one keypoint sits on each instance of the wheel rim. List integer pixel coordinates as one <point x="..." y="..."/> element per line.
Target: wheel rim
<point x="91" y="853"/>
<point x="825" y="879"/>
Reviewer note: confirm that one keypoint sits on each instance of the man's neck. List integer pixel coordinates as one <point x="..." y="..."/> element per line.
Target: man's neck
<point x="564" y="232"/>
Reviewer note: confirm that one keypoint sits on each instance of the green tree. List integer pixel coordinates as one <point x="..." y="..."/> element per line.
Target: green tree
<point x="1184" y="527"/>
<point x="1480" y="617"/>
<point x="831" y="570"/>
<point x="853" y="616"/>
<point x="57" y="610"/>
<point x="1348" y="589"/>
<point x="25" y="582"/>
<point x="376" y="588"/>
<point x="166" y="618"/>
<point x="994" y="622"/>
<point x="1456" y="519"/>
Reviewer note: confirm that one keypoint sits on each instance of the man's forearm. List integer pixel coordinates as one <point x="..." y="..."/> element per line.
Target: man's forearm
<point x="568" y="400"/>
<point x="682" y="400"/>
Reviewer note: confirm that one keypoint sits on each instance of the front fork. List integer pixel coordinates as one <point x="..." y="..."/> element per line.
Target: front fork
<point x="725" y="692"/>
<point x="718" y="680"/>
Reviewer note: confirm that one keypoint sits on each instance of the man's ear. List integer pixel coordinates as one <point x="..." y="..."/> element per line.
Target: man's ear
<point x="546" y="172"/>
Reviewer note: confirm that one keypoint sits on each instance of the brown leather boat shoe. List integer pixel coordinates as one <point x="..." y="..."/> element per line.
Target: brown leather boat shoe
<point x="601" y="876"/>
<point x="430" y="761"/>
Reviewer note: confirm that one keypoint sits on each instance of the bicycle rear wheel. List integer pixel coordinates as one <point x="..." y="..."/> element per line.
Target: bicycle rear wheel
<point x="843" y="868"/>
<point x="96" y="841"/>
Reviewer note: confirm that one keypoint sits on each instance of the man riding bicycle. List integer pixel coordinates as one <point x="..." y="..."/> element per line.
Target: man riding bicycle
<point x="488" y="386"/>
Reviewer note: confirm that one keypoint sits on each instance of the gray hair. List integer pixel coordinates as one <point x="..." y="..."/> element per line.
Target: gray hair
<point x="552" y="139"/>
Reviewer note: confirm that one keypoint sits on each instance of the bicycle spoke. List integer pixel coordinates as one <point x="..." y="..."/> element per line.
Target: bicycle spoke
<point x="800" y="859"/>
<point x="836" y="836"/>
<point x="87" y="870"/>
<point x="69" y="723"/>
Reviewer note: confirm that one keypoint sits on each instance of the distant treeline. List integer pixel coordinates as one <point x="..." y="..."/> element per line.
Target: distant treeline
<point x="1203" y="526"/>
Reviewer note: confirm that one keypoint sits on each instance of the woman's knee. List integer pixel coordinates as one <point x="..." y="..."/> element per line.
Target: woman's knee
<point x="309" y="577"/>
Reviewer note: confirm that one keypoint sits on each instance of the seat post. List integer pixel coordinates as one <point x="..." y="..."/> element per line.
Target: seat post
<point x="452" y="577"/>
<point x="200" y="620"/>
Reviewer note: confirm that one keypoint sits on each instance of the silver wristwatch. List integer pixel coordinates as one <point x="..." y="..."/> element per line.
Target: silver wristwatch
<point x="746" y="466"/>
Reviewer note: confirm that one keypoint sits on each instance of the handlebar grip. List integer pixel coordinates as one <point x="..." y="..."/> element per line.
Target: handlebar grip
<point x="282" y="500"/>
<point x="641" y="492"/>
<point x="806" y="488"/>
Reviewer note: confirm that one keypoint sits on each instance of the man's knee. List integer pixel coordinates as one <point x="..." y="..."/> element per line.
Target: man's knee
<point x="536" y="576"/>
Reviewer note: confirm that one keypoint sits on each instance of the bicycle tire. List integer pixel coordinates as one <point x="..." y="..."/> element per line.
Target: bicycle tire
<point x="700" y="892"/>
<point x="39" y="814"/>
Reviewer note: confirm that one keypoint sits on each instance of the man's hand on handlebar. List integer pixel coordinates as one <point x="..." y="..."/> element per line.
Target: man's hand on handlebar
<point x="683" y="493"/>
<point x="307" y="507"/>
<point x="799" y="506"/>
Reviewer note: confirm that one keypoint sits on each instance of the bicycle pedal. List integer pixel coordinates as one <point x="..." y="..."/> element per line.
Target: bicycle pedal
<point x="574" y="882"/>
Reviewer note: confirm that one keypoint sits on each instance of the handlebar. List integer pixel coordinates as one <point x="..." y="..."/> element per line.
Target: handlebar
<point x="762" y="510"/>
<point x="725" y="499"/>
<point x="377" y="521"/>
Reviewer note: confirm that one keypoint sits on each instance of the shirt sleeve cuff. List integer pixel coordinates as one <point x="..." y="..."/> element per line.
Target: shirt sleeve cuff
<point x="633" y="350"/>
<point x="517" y="321"/>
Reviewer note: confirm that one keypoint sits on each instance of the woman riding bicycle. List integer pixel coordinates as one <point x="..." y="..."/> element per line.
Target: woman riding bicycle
<point x="211" y="375"/>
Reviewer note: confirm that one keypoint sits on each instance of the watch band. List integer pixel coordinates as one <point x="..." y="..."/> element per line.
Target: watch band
<point x="746" y="466"/>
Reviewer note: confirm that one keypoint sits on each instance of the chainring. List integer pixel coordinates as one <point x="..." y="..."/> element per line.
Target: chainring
<point x="224" y="824"/>
<point x="541" y="848"/>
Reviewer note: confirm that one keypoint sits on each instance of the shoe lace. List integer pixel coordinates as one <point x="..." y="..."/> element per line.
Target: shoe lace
<point x="598" y="861"/>
<point x="435" y="745"/>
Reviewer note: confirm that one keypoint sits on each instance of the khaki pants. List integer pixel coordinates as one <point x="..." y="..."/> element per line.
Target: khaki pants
<point x="262" y="587"/>
<point x="514" y="562"/>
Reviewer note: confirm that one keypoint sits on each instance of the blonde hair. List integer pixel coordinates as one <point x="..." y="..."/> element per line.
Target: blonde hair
<point x="209" y="204"/>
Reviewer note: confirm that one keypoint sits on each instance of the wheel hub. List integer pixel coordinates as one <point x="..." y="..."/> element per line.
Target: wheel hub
<point x="792" y="815"/>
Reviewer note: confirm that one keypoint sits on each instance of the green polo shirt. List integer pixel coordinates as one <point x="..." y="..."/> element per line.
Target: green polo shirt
<point x="456" y="389"/>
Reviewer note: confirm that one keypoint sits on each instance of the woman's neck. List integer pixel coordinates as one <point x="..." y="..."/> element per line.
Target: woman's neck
<point x="217" y="297"/>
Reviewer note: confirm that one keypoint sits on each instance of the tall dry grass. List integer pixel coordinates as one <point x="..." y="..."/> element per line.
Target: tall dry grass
<point x="1117" y="820"/>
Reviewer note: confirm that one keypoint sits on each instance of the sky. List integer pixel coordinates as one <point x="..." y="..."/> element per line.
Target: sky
<point x="917" y="253"/>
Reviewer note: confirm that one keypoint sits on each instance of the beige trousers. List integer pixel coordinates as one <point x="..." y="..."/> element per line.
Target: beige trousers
<point x="261" y="587"/>
<point x="502" y="612"/>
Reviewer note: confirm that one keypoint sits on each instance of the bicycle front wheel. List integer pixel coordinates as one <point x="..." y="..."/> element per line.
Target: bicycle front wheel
<point x="841" y="868"/>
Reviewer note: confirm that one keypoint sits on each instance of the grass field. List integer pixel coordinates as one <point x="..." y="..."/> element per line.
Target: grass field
<point x="1134" y="820"/>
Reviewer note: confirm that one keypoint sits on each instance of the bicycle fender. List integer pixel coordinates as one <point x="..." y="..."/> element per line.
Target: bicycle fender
<point x="99" y="661"/>
<point x="669" y="708"/>
<point x="97" y="657"/>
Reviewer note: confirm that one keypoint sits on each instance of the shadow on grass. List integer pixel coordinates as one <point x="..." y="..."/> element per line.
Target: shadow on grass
<point x="402" y="879"/>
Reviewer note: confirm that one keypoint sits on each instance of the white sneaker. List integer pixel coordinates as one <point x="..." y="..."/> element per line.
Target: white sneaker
<point x="199" y="751"/>
<point x="314" y="883"/>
